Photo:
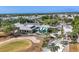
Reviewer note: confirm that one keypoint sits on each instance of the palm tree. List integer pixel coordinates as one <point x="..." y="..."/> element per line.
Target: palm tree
<point x="53" y="47"/>
<point x="62" y="33"/>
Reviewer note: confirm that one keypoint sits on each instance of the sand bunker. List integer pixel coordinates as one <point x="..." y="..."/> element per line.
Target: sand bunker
<point x="72" y="48"/>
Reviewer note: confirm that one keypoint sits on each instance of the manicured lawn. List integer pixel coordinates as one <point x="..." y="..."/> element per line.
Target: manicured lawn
<point x="14" y="46"/>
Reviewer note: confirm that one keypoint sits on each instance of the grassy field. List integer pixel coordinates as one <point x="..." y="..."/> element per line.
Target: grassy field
<point x="14" y="46"/>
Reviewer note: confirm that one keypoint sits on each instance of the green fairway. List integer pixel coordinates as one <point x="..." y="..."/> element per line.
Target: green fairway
<point x="14" y="46"/>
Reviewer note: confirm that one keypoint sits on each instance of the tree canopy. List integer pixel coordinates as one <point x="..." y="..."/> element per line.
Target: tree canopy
<point x="75" y="24"/>
<point x="7" y="26"/>
<point x="22" y="20"/>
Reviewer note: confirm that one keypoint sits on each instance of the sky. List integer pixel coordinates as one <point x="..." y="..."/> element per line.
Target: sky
<point x="37" y="9"/>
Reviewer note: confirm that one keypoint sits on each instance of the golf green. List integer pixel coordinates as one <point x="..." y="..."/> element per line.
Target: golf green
<point x="14" y="46"/>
